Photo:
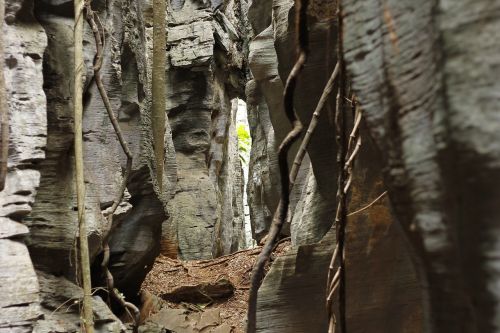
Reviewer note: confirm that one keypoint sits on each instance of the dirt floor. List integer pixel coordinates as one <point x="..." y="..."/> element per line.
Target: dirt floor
<point x="222" y="283"/>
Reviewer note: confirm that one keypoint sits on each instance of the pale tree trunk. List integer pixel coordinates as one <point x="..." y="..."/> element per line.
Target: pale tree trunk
<point x="87" y="316"/>
<point x="4" y="110"/>
<point x="158" y="86"/>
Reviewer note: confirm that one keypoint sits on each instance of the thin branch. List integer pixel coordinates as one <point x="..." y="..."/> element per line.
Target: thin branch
<point x="355" y="129"/>
<point x="293" y="135"/>
<point x="354" y="136"/>
<point x="335" y="278"/>
<point x="369" y="205"/>
<point x="332" y="291"/>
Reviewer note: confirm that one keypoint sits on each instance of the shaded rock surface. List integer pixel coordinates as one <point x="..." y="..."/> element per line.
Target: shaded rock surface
<point x="374" y="236"/>
<point x="201" y="293"/>
<point x="426" y="77"/>
<point x="183" y="321"/>
<point x="61" y="302"/>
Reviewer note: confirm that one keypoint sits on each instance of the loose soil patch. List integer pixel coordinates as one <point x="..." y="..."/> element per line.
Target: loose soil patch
<point x="222" y="283"/>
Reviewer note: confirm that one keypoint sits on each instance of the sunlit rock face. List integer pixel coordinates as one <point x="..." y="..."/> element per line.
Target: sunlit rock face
<point x="23" y="42"/>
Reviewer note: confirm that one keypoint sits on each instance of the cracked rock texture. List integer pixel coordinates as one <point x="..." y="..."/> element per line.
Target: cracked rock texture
<point x="422" y="259"/>
<point x="204" y="75"/>
<point x="24" y="41"/>
<point x="201" y="207"/>
<point x="426" y="75"/>
<point x="383" y="290"/>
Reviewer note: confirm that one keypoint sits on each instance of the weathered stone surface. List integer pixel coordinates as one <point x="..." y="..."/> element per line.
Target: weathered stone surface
<point x="19" y="301"/>
<point x="206" y="212"/>
<point x="282" y="305"/>
<point x="426" y="77"/>
<point x="226" y="171"/>
<point x="124" y="73"/>
<point x="259" y="15"/>
<point x="182" y="321"/>
<point x="23" y="41"/>
<point x="60" y="300"/>
<point x="191" y="44"/>
<point x="10" y="228"/>
<point x="382" y="288"/>
<point x="311" y="209"/>
<point x="375" y="241"/>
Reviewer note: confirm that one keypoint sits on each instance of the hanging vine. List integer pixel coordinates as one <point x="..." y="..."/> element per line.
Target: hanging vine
<point x="312" y="126"/>
<point x="99" y="35"/>
<point x="347" y="150"/>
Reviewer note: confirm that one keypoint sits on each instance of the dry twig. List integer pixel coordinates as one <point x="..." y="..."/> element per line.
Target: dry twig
<point x="369" y="205"/>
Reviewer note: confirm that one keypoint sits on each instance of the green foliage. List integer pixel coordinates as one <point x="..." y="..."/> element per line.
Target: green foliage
<point x="244" y="143"/>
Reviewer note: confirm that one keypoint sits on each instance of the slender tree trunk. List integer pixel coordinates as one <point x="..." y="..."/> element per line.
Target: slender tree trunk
<point x="4" y="110"/>
<point x="158" y="85"/>
<point x="87" y="317"/>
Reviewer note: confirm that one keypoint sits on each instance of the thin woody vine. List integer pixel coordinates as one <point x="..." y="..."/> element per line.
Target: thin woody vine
<point x="83" y="10"/>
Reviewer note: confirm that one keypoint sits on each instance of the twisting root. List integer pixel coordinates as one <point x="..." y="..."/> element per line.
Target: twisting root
<point x="293" y="135"/>
<point x="98" y="31"/>
<point x="312" y="126"/>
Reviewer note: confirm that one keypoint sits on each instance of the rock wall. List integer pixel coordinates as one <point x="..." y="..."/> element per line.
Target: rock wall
<point x="23" y="42"/>
<point x="426" y="76"/>
<point x="383" y="292"/>
<point x="206" y="71"/>
<point x="201" y="206"/>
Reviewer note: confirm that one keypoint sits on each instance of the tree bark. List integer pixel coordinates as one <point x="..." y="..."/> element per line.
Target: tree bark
<point x="4" y="111"/>
<point x="158" y="86"/>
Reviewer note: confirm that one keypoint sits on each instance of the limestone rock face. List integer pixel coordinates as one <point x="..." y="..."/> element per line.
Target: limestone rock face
<point x="53" y="222"/>
<point x="61" y="309"/>
<point x="205" y="56"/>
<point x="373" y="235"/>
<point x="23" y="43"/>
<point x="198" y="214"/>
<point x="426" y="76"/>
